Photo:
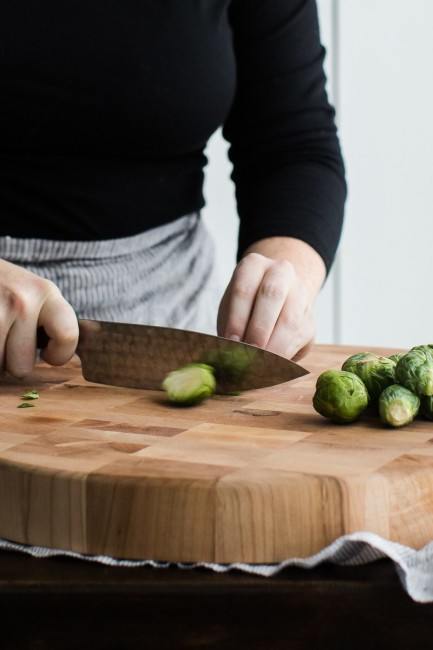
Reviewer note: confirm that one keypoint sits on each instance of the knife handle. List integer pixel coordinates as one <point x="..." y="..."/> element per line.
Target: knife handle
<point x="42" y="338"/>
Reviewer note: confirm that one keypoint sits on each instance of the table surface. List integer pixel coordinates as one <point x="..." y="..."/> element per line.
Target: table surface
<point x="58" y="602"/>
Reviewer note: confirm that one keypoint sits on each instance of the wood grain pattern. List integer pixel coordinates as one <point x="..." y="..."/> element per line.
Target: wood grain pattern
<point x="254" y="478"/>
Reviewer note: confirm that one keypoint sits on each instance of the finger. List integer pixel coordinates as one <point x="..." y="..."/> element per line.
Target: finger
<point x="58" y="319"/>
<point x="242" y="292"/>
<point x="6" y="320"/>
<point x="4" y="331"/>
<point x="20" y="349"/>
<point x="222" y="313"/>
<point x="295" y="344"/>
<point x="306" y="348"/>
<point x="270" y="298"/>
<point x="294" y="328"/>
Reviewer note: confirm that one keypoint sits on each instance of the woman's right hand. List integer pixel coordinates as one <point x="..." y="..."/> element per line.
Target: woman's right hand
<point x="26" y="302"/>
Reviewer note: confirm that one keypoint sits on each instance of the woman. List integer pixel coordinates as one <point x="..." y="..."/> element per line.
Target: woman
<point x="106" y="109"/>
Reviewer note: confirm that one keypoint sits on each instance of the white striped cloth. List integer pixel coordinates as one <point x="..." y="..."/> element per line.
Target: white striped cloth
<point x="415" y="568"/>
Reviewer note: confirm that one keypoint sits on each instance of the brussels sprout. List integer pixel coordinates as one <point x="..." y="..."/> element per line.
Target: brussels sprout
<point x="398" y="406"/>
<point x="397" y="356"/>
<point x="340" y="396"/>
<point x="350" y="363"/>
<point x="415" y="370"/>
<point x="376" y="372"/>
<point x="230" y="364"/>
<point x="426" y="407"/>
<point x="190" y="384"/>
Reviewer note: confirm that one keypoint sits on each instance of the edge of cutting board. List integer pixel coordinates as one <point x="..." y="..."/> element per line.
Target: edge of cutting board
<point x="278" y="481"/>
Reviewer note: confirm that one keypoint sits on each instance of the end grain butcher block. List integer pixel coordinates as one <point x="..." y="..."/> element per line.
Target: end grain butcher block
<point x="255" y="478"/>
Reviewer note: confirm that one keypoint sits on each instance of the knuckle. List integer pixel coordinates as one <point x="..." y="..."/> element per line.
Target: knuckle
<point x="253" y="258"/>
<point x="243" y="290"/>
<point x="19" y="300"/>
<point x="48" y="286"/>
<point x="285" y="266"/>
<point x="291" y="320"/>
<point x="273" y="290"/>
<point x="14" y="301"/>
<point x="37" y="282"/>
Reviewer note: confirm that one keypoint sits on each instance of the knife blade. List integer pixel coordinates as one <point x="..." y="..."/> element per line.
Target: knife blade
<point x="140" y="356"/>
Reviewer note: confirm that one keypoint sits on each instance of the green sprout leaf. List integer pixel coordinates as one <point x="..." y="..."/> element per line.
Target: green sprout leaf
<point x="350" y="364"/>
<point x="30" y="394"/>
<point x="24" y="405"/>
<point x="415" y="370"/>
<point x="375" y="371"/>
<point x="397" y="356"/>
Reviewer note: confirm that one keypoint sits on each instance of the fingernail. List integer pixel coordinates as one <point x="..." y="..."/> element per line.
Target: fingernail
<point x="234" y="337"/>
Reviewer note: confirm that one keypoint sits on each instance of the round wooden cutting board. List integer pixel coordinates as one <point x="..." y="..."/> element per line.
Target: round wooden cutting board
<point x="255" y="478"/>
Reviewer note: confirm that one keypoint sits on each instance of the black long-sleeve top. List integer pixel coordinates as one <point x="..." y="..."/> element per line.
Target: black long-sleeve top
<point x="106" y="107"/>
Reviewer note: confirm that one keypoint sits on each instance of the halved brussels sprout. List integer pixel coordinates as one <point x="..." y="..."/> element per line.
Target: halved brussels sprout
<point x="398" y="406"/>
<point x="340" y="396"/>
<point x="415" y="370"/>
<point x="191" y="384"/>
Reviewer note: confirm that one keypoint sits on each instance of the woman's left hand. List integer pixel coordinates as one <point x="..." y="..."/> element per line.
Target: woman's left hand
<point x="270" y="299"/>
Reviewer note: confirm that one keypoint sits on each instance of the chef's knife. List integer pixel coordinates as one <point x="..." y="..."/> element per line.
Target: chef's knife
<point x="140" y="356"/>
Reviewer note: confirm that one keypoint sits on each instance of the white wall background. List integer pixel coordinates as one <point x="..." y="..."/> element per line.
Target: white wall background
<point x="380" y="54"/>
<point x="386" y="117"/>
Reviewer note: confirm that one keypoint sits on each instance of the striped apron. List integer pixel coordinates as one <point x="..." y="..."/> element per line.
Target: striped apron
<point x="163" y="276"/>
